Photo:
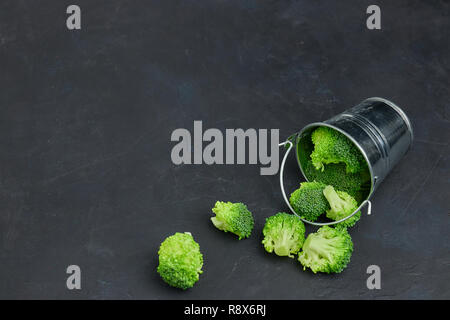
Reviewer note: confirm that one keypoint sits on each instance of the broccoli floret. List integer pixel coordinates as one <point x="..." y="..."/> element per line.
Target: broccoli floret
<point x="308" y="200"/>
<point x="331" y="146"/>
<point x="355" y="184"/>
<point x="180" y="260"/>
<point x="328" y="250"/>
<point x="284" y="234"/>
<point x="233" y="217"/>
<point x="342" y="204"/>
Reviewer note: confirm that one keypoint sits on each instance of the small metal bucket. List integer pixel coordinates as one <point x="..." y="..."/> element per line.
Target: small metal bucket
<point x="380" y="130"/>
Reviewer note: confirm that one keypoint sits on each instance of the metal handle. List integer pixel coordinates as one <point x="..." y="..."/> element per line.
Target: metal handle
<point x="369" y="204"/>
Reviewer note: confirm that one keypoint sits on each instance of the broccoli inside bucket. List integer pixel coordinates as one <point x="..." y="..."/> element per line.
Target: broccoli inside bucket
<point x="329" y="157"/>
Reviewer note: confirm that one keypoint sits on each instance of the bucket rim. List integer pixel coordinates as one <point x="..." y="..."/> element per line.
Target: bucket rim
<point x="323" y="124"/>
<point x="399" y="111"/>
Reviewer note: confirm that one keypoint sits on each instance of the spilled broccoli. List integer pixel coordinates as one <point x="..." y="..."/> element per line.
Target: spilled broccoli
<point x="180" y="260"/>
<point x="233" y="217"/>
<point x="284" y="234"/>
<point x="342" y="204"/>
<point x="308" y="200"/>
<point x="331" y="146"/>
<point x="328" y="250"/>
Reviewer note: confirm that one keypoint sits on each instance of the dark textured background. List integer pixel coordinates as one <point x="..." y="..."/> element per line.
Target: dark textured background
<point x="85" y="123"/>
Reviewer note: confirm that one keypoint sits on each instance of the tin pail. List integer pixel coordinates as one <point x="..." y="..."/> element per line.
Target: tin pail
<point x="378" y="128"/>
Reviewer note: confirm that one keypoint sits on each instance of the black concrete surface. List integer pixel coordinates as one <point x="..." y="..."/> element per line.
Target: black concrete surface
<point x="86" y="116"/>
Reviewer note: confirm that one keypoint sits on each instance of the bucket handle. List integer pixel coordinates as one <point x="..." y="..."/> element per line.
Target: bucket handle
<point x="369" y="204"/>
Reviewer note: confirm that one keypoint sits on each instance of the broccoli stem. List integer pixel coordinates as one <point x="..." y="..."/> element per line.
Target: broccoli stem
<point x="218" y="224"/>
<point x="336" y="203"/>
<point x="282" y="249"/>
<point x="320" y="246"/>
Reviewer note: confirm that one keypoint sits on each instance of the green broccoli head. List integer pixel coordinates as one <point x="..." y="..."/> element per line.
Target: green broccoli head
<point x="284" y="234"/>
<point x="355" y="184"/>
<point x="180" y="260"/>
<point x="308" y="200"/>
<point x="342" y="204"/>
<point x="331" y="146"/>
<point x="233" y="217"/>
<point x="327" y="250"/>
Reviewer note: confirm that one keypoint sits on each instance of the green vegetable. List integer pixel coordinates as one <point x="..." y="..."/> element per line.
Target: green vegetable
<point x="342" y="204"/>
<point x="180" y="260"/>
<point x="233" y="217"/>
<point x="308" y="200"/>
<point x="331" y="146"/>
<point x="327" y="250"/>
<point x="284" y="234"/>
<point x="355" y="184"/>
